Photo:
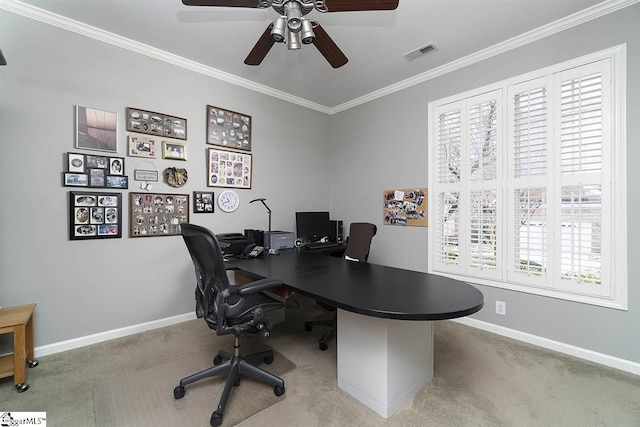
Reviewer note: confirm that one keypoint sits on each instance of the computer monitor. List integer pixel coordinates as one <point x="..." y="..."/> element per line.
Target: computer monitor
<point x="312" y="226"/>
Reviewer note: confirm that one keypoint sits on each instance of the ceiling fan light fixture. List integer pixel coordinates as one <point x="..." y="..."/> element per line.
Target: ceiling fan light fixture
<point x="294" y="16"/>
<point x="308" y="35"/>
<point x="293" y="40"/>
<point x="278" y="32"/>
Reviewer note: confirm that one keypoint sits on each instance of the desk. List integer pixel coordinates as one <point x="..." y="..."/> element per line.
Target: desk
<point x="383" y="360"/>
<point x="18" y="320"/>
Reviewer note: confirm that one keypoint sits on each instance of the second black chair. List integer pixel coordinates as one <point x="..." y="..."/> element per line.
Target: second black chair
<point x="358" y="247"/>
<point x="229" y="309"/>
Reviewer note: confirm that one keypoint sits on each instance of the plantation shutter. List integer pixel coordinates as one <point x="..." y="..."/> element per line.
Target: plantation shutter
<point x="449" y="134"/>
<point x="483" y="178"/>
<point x="528" y="181"/>
<point x="583" y="97"/>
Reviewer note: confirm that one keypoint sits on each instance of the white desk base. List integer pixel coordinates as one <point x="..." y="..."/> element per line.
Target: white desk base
<point x="383" y="362"/>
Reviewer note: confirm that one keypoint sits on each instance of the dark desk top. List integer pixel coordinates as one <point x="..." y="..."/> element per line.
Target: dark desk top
<point x="369" y="289"/>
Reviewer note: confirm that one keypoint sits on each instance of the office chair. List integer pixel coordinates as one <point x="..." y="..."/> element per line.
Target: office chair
<point x="358" y="245"/>
<point x="228" y="309"/>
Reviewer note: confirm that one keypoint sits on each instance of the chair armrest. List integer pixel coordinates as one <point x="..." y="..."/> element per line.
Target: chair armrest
<point x="258" y="286"/>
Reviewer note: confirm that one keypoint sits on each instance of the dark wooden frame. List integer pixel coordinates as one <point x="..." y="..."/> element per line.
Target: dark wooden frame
<point x="214" y="172"/>
<point x="157" y="214"/>
<point x="224" y="127"/>
<point x="158" y="124"/>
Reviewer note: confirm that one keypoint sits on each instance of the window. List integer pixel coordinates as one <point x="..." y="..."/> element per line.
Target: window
<point x="527" y="181"/>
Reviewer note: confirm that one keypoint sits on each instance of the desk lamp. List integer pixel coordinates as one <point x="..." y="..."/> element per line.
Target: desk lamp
<point x="268" y="210"/>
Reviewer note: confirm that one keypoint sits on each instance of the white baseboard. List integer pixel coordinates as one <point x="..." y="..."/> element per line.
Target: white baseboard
<point x="603" y="359"/>
<point x="592" y="356"/>
<point x="109" y="335"/>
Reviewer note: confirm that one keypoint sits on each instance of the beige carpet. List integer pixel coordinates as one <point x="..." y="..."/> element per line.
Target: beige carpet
<point x="145" y="398"/>
<point x="480" y="380"/>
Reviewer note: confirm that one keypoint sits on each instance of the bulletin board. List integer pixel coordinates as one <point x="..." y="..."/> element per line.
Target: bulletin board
<point x="405" y="207"/>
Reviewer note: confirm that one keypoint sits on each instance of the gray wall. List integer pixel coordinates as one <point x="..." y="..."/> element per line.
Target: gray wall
<point x="382" y="145"/>
<point x="86" y="287"/>
<point x="94" y="286"/>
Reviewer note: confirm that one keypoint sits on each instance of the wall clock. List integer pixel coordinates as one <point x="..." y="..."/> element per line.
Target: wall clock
<point x="228" y="201"/>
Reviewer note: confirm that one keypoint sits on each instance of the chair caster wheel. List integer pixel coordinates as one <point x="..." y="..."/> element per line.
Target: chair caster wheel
<point x="236" y="383"/>
<point x="217" y="360"/>
<point x="22" y="387"/>
<point x="323" y="347"/>
<point x="216" y="419"/>
<point x="278" y="391"/>
<point x="268" y="360"/>
<point x="32" y="363"/>
<point x="178" y="392"/>
<point x="307" y="328"/>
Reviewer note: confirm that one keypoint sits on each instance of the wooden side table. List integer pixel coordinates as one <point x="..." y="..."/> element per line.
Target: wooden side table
<point x="19" y="320"/>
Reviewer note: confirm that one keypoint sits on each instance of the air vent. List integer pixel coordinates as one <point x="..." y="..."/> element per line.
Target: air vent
<point x="421" y="51"/>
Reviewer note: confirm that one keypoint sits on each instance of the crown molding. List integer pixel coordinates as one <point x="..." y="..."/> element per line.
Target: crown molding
<point x="593" y="12"/>
<point x="83" y="29"/>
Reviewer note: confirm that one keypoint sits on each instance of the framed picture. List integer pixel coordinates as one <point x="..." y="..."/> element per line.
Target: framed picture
<point x="151" y="123"/>
<point x="203" y="202"/>
<point x="72" y="179"/>
<point x="94" y="215"/>
<point x="96" y="162"/>
<point x="117" y="181"/>
<point x="75" y="162"/>
<point x="86" y="170"/>
<point x="145" y="175"/>
<point x="140" y="146"/>
<point x="157" y="214"/>
<point x="96" y="178"/>
<point x="96" y="129"/>
<point x="174" y="150"/>
<point x="228" y="128"/>
<point x="228" y="169"/>
<point x="116" y="166"/>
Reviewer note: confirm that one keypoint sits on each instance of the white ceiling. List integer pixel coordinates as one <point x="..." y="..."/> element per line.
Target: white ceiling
<point x="374" y="42"/>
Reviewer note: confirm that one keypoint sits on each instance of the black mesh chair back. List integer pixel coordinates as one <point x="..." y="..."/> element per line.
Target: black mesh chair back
<point x="224" y="308"/>
<point x="238" y="309"/>
<point x="211" y="274"/>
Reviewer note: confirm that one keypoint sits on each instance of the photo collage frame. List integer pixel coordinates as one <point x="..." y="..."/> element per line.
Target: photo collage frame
<point x="228" y="128"/>
<point x="152" y="123"/>
<point x="87" y="170"/>
<point x="228" y="169"/>
<point x="157" y="214"/>
<point x="95" y="215"/>
<point x="203" y="202"/>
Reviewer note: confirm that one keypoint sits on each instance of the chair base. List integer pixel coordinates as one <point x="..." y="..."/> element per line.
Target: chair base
<point x="234" y="367"/>
<point x="333" y="326"/>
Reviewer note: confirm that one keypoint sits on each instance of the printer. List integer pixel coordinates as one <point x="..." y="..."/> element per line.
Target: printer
<point x="234" y="243"/>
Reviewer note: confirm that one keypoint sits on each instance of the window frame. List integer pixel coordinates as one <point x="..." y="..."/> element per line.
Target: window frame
<point x="615" y="215"/>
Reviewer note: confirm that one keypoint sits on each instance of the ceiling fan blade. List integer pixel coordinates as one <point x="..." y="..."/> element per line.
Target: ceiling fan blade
<point x="358" y="5"/>
<point x="328" y="48"/>
<point x="222" y="3"/>
<point x="261" y="48"/>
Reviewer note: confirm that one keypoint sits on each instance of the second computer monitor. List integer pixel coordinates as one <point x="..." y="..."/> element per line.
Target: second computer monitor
<point x="312" y="226"/>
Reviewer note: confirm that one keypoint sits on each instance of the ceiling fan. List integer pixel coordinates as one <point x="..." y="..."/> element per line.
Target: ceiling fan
<point x="292" y="28"/>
